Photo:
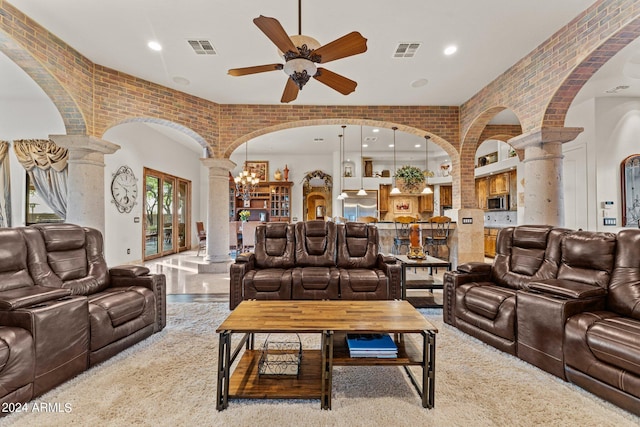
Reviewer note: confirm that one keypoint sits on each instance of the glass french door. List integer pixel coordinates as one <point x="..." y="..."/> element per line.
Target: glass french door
<point x="167" y="207"/>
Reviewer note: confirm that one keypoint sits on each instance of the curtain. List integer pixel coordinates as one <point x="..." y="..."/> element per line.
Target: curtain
<point x="46" y="164"/>
<point x="5" y="189"/>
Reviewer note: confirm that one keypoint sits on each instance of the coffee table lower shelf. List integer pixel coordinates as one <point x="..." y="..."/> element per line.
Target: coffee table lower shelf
<point x="246" y="383"/>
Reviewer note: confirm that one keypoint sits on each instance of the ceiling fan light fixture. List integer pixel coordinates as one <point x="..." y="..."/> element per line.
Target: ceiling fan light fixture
<point x="300" y="70"/>
<point x="395" y="190"/>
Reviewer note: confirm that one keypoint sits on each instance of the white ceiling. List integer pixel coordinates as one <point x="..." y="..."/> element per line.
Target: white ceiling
<point x="491" y="35"/>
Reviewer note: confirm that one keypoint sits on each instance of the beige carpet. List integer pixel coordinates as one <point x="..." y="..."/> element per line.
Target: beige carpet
<point x="169" y="380"/>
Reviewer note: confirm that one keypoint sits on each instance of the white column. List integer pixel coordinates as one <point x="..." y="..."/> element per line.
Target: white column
<point x="543" y="195"/>
<point x="217" y="225"/>
<point x="85" y="180"/>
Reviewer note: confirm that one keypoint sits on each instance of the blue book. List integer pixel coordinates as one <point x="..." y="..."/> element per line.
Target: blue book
<point x="376" y="343"/>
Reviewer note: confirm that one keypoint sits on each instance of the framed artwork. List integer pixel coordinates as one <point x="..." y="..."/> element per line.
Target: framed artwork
<point x="630" y="181"/>
<point x="260" y="167"/>
<point x="402" y="206"/>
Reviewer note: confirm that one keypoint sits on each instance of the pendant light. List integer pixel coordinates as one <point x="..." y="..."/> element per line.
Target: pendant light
<point x="395" y="189"/>
<point x="427" y="189"/>
<point x="361" y="192"/>
<point x="343" y="195"/>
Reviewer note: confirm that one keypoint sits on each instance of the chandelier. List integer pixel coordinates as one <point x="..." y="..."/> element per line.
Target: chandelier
<point x="246" y="181"/>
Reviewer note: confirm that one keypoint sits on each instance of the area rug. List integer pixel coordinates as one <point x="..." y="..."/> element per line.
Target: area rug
<point x="170" y="379"/>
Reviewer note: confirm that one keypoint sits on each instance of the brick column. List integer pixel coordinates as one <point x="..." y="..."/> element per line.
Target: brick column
<point x="217" y="225"/>
<point x="85" y="180"/>
<point x="543" y="195"/>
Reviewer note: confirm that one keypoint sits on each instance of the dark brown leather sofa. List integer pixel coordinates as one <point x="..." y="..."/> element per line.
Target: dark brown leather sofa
<point x="314" y="260"/>
<point x="565" y="301"/>
<point x="62" y="310"/>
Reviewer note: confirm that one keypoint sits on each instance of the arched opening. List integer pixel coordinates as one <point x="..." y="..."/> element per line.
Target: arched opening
<point x="165" y="160"/>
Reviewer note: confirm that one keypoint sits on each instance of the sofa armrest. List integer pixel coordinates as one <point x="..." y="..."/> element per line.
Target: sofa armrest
<point x="157" y="283"/>
<point x="13" y="299"/>
<point x="566" y="289"/>
<point x="244" y="263"/>
<point x="129" y="271"/>
<point x="393" y="270"/>
<point x="453" y="279"/>
<point x="475" y="267"/>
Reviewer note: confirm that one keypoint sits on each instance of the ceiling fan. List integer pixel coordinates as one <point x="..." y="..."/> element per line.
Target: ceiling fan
<point x="301" y="54"/>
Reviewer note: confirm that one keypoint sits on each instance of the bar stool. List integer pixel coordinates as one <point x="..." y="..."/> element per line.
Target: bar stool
<point x="437" y="235"/>
<point x="402" y="225"/>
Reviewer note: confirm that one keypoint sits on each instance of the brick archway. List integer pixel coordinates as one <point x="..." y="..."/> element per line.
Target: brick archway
<point x="556" y="111"/>
<point x="162" y="122"/>
<point x="64" y="102"/>
<point x="441" y="142"/>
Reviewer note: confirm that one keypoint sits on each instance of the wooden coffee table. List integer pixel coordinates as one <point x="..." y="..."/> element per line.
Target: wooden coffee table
<point x="333" y="320"/>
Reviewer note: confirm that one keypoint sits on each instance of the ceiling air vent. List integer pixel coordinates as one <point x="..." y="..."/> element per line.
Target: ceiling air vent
<point x="202" y="47"/>
<point x="370" y="138"/>
<point x="406" y="50"/>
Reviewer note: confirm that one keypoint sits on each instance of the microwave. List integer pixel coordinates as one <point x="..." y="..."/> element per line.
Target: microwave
<point x="498" y="203"/>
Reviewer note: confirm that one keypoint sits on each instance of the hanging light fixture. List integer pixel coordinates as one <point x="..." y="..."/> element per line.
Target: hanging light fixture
<point x="427" y="189"/>
<point x="361" y="192"/>
<point x="343" y="195"/>
<point x="246" y="181"/>
<point x="395" y="189"/>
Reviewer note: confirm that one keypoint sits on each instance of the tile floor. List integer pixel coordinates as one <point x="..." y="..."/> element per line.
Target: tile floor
<point x="184" y="284"/>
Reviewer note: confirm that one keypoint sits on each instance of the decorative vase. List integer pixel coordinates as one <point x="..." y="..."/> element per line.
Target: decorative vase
<point x="286" y="173"/>
<point x="415" y="240"/>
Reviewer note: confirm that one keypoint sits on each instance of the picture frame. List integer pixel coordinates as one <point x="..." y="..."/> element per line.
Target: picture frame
<point x="260" y="167"/>
<point x="630" y="183"/>
<point x="402" y="205"/>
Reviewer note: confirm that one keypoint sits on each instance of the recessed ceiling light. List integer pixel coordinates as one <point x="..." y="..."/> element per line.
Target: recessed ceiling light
<point x="154" y="46"/>
<point x="450" y="50"/>
<point x="376" y="130"/>
<point x="419" y="82"/>
<point x="390" y="145"/>
<point x="417" y="145"/>
<point x="365" y="145"/>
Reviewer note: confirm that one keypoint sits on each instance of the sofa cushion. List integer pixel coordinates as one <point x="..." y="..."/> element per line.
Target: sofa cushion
<point x="616" y="341"/>
<point x="363" y="280"/>
<point x="269" y="280"/>
<point x="14" y="272"/>
<point x="486" y="300"/>
<point x="116" y="313"/>
<point x="357" y="245"/>
<point x="588" y="257"/>
<point x="274" y="245"/>
<point x="315" y="244"/>
<point x="624" y="288"/>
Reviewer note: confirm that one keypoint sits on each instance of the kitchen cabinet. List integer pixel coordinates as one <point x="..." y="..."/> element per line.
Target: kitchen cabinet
<point x="513" y="190"/>
<point x="490" y="235"/>
<point x="425" y="202"/>
<point x="482" y="187"/>
<point x="446" y="196"/>
<point x="499" y="184"/>
<point x="383" y="197"/>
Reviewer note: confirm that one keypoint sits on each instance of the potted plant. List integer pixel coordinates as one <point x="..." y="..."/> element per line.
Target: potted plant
<point x="411" y="178"/>
<point x="244" y="215"/>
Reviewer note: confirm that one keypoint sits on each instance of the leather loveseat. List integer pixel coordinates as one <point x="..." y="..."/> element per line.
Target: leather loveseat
<point x="62" y="310"/>
<point x="566" y="301"/>
<point x="314" y="260"/>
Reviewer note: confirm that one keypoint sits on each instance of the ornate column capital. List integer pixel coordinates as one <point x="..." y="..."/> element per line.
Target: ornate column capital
<point x="545" y="135"/>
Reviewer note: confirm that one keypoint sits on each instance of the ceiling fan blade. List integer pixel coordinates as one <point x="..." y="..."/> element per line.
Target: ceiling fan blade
<point x="255" y="69"/>
<point x="348" y="45"/>
<point x="271" y="28"/>
<point x="335" y="81"/>
<point x="290" y="91"/>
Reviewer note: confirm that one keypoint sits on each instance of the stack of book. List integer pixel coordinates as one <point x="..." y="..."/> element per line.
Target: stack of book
<point x="371" y="345"/>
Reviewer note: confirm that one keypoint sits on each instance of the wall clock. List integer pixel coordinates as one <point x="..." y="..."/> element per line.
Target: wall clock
<point x="124" y="189"/>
